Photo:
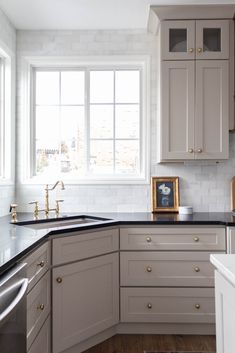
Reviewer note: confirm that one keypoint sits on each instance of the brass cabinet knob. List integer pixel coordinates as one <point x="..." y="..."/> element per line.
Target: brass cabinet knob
<point x="59" y="279"/>
<point x="197" y="306"/>
<point x="196" y="269"/>
<point x="149" y="306"/>
<point x="199" y="50"/>
<point x="199" y="150"/>
<point x="196" y="239"/>
<point x="190" y="150"/>
<point x="149" y="269"/>
<point x="41" y="307"/>
<point x="148" y="239"/>
<point x="41" y="264"/>
<point x="190" y="50"/>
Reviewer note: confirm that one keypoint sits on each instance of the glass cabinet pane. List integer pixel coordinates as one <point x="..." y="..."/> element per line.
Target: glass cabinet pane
<point x="178" y="40"/>
<point x="212" y="39"/>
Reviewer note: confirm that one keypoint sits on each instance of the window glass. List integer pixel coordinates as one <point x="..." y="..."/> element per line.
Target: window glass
<point x="87" y="122"/>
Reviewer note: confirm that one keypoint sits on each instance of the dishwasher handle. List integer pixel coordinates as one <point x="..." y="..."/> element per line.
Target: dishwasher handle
<point x="23" y="283"/>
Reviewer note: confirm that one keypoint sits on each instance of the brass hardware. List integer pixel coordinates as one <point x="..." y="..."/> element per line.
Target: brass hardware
<point x="41" y="264"/>
<point x="197" y="306"/>
<point x="196" y="239"/>
<point x="199" y="150"/>
<point x="149" y="269"/>
<point x="13" y="212"/>
<point x="59" y="279"/>
<point x="148" y="239"/>
<point x="36" y="208"/>
<point x="199" y="50"/>
<point x="41" y="307"/>
<point x="196" y="269"/>
<point x="190" y="50"/>
<point x="47" y="208"/>
<point x="190" y="150"/>
<point x="149" y="306"/>
<point x="57" y="209"/>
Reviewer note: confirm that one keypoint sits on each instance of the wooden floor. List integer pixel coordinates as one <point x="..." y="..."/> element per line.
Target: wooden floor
<point x="140" y="343"/>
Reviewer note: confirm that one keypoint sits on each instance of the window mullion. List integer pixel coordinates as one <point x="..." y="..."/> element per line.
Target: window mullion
<point x="114" y="122"/>
<point x="87" y="120"/>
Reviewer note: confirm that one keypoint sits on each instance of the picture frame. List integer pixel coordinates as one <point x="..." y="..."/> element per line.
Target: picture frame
<point x="165" y="194"/>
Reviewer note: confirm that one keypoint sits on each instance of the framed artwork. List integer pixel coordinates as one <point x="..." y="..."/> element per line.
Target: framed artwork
<point x="165" y="194"/>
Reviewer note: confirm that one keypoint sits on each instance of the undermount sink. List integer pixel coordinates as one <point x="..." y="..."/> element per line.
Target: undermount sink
<point x="62" y="222"/>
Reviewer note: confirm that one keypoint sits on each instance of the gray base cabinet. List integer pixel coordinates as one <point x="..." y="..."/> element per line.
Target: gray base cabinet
<point x="85" y="295"/>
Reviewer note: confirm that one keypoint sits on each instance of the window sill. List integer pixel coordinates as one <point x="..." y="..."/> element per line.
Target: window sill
<point x="97" y="181"/>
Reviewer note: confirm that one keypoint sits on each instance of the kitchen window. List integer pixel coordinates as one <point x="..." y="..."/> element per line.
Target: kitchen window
<point x="88" y="123"/>
<point x="6" y="117"/>
<point x="2" y="122"/>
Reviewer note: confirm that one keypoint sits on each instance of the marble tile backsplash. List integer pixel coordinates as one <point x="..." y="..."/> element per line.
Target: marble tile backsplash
<point x="205" y="186"/>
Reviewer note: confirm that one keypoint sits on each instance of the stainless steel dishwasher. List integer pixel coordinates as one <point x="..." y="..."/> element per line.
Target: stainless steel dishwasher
<point x="13" y="288"/>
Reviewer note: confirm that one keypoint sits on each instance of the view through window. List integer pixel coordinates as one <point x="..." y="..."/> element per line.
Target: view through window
<point x="87" y="122"/>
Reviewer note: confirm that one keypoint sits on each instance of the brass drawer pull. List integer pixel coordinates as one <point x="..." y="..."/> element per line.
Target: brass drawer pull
<point x="199" y="50"/>
<point x="149" y="269"/>
<point x="148" y="239"/>
<point x="190" y="150"/>
<point x="197" y="306"/>
<point x="196" y="239"/>
<point x="41" y="307"/>
<point x="196" y="269"/>
<point x="190" y="50"/>
<point x="41" y="264"/>
<point x="149" y="306"/>
<point x="59" y="279"/>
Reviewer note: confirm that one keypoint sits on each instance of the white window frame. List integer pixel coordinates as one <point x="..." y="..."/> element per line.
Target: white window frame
<point x="7" y="116"/>
<point x="95" y="63"/>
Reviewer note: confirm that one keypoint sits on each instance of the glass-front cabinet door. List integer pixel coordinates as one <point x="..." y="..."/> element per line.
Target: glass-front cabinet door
<point x="177" y="40"/>
<point x="212" y="39"/>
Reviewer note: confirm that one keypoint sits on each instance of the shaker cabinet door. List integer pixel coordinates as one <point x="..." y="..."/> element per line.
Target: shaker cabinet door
<point x="178" y="40"/>
<point x="212" y="39"/>
<point x="177" y="110"/>
<point x="85" y="300"/>
<point x="212" y="109"/>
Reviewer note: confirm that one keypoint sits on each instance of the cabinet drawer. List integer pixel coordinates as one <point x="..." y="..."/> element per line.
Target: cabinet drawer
<point x="37" y="264"/>
<point x="179" y="305"/>
<point x="182" y="269"/>
<point x="42" y="342"/>
<point x="81" y="246"/>
<point x="177" y="238"/>
<point x="38" y="307"/>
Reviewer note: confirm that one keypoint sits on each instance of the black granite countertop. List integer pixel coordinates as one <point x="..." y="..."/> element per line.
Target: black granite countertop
<point x="16" y="241"/>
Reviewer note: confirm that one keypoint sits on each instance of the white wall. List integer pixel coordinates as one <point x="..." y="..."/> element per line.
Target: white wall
<point x="206" y="187"/>
<point x="8" y="43"/>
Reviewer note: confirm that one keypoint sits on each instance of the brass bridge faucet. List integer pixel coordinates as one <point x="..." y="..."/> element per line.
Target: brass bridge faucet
<point x="47" y="208"/>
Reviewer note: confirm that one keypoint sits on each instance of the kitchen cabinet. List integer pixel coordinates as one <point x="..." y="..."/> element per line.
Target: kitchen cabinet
<point x="86" y="292"/>
<point x="196" y="89"/>
<point x="225" y="304"/>
<point x="225" y="313"/>
<point x="194" y="110"/>
<point x="38" y="298"/>
<point x="166" y="275"/>
<point x="195" y="39"/>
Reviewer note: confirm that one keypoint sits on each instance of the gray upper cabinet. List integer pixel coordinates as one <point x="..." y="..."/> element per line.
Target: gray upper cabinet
<point x="196" y="80"/>
<point x="189" y="40"/>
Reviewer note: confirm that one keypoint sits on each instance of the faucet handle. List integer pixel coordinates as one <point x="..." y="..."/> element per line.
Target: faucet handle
<point x="36" y="208"/>
<point x="13" y="212"/>
<point x="57" y="209"/>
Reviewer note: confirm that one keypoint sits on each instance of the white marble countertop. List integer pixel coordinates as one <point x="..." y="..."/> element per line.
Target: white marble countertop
<point x="225" y="264"/>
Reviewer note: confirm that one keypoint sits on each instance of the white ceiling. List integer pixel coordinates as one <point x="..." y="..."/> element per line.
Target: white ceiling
<point x="85" y="14"/>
